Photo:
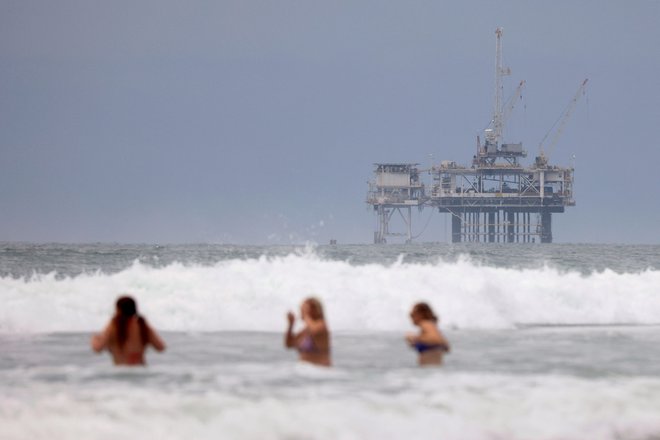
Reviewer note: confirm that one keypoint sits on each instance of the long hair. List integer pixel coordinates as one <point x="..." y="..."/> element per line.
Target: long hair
<point x="424" y="311"/>
<point x="315" y="308"/>
<point x="126" y="309"/>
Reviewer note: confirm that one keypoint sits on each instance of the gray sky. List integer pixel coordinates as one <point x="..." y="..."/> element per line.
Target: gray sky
<point x="258" y="121"/>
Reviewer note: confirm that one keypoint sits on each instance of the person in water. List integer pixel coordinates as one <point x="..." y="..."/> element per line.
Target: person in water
<point x="429" y="343"/>
<point x="313" y="341"/>
<point x="127" y="335"/>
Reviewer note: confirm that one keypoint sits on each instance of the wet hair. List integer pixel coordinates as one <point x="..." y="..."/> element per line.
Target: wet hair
<point x="315" y="308"/>
<point x="424" y="311"/>
<point x="126" y="309"/>
<point x="126" y="305"/>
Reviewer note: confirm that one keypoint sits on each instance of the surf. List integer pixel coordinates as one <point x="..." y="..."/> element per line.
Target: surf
<point x="253" y="294"/>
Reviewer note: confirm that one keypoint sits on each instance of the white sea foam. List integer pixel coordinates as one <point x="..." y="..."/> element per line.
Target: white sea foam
<point x="254" y="294"/>
<point x="448" y="406"/>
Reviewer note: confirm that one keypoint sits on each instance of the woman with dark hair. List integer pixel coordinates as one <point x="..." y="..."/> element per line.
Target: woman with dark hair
<point x="127" y="335"/>
<point x="313" y="341"/>
<point x="429" y="343"/>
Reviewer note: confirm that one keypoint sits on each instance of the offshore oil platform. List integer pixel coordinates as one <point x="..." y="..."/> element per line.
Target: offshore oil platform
<point x="496" y="199"/>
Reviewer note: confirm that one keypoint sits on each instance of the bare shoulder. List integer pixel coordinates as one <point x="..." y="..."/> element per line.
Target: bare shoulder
<point x="429" y="326"/>
<point x="101" y="341"/>
<point x="317" y="327"/>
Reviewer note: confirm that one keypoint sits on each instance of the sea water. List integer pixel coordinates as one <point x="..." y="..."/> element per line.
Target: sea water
<point x="548" y="342"/>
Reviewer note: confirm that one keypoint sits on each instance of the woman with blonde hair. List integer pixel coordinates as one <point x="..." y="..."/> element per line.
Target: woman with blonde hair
<point x="313" y="341"/>
<point x="430" y="343"/>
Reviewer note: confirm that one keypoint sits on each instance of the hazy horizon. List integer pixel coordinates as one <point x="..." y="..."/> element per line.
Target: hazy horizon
<point x="254" y="123"/>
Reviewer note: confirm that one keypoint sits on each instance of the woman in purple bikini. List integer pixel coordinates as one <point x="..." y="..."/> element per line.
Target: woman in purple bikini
<point x="430" y="342"/>
<point x="313" y="341"/>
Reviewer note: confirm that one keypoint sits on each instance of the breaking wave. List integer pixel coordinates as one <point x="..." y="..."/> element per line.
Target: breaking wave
<point x="254" y="294"/>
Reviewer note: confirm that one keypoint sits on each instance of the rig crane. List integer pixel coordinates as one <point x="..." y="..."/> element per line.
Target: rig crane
<point x="544" y="152"/>
<point x="511" y="103"/>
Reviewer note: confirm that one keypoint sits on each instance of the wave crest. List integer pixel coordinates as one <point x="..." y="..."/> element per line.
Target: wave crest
<point x="254" y="294"/>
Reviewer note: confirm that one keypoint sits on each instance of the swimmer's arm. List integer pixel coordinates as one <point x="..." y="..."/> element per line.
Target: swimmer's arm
<point x="99" y="341"/>
<point x="446" y="345"/>
<point x="444" y="342"/>
<point x="155" y="340"/>
<point x="411" y="338"/>
<point x="289" y="338"/>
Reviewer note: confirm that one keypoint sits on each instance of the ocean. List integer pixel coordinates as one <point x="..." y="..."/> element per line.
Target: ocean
<point x="548" y="342"/>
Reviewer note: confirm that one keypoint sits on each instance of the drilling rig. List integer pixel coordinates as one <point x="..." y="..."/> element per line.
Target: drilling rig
<point x="496" y="199"/>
